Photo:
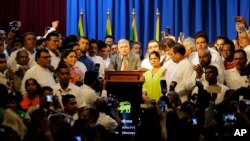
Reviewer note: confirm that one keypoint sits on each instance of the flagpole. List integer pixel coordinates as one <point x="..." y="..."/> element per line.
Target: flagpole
<point x="157" y="30"/>
<point x="108" y="24"/>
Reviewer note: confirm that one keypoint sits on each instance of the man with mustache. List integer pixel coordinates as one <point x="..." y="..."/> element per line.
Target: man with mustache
<point x="239" y="75"/>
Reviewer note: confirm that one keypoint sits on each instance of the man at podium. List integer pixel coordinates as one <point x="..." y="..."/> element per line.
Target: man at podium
<point x="124" y="60"/>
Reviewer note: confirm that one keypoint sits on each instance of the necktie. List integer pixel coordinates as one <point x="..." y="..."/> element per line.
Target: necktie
<point x="124" y="64"/>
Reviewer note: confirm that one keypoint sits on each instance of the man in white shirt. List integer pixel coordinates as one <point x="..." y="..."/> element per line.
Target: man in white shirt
<point x="181" y="72"/>
<point x="3" y="69"/>
<point x="52" y="43"/>
<point x="64" y="87"/>
<point x="29" y="40"/>
<point x="152" y="46"/>
<point x="40" y="71"/>
<point x="211" y="73"/>
<point x="104" y="52"/>
<point x="244" y="42"/>
<point x="201" y="41"/>
<point x="239" y="75"/>
<point x="92" y="53"/>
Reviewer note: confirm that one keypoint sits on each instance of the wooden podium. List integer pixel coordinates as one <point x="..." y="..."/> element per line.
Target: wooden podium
<point x="123" y="76"/>
<point x="127" y="89"/>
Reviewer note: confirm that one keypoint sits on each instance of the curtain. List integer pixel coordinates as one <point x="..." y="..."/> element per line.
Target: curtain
<point x="215" y="17"/>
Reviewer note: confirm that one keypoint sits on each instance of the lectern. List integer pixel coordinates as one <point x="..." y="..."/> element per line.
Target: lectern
<point x="127" y="88"/>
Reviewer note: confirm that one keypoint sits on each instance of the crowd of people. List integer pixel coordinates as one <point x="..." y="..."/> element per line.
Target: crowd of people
<point x="53" y="88"/>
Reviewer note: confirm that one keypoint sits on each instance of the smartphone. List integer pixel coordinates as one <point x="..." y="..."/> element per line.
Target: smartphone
<point x="78" y="138"/>
<point x="164" y="89"/>
<point x="97" y="67"/>
<point x="194" y="121"/>
<point x="229" y="118"/>
<point x="167" y="31"/>
<point x="49" y="98"/>
<point x="163" y="106"/>
<point x="247" y="102"/>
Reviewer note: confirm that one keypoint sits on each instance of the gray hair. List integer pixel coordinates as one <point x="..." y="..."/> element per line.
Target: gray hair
<point x="123" y="41"/>
<point x="190" y="43"/>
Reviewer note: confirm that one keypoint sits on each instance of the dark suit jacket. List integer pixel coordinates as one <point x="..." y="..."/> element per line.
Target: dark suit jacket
<point x="134" y="62"/>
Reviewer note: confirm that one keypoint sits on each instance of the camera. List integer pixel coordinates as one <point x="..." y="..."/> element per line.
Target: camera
<point x="15" y="26"/>
<point x="164" y="89"/>
<point x="57" y="117"/>
<point x="111" y="99"/>
<point x="97" y="68"/>
<point x="78" y="138"/>
<point x="163" y="106"/>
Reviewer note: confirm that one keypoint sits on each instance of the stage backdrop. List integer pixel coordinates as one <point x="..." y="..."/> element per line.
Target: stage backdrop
<point x="215" y="17"/>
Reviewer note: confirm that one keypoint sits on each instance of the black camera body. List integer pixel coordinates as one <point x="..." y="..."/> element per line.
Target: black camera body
<point x="15" y="26"/>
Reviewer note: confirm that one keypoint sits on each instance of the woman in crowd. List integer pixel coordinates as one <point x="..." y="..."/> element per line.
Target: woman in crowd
<point x="76" y="71"/>
<point x="31" y="98"/>
<point x="151" y="88"/>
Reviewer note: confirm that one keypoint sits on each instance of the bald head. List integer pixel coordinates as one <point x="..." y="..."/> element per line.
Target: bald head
<point x="204" y="57"/>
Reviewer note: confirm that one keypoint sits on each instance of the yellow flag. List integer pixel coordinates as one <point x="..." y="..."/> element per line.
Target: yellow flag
<point x="133" y="32"/>
<point x="157" y="29"/>
<point x="108" y="27"/>
<point x="80" y="26"/>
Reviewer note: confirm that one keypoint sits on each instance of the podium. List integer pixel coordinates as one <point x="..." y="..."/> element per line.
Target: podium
<point x="127" y="89"/>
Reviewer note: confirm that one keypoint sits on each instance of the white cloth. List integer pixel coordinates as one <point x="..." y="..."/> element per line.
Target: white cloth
<point x="30" y="110"/>
<point x="3" y="79"/>
<point x="106" y="121"/>
<point x="12" y="59"/>
<point x="247" y="50"/>
<point x="89" y="94"/>
<point x="72" y="89"/>
<point x="180" y="73"/>
<point x="79" y="66"/>
<point x="99" y="60"/>
<point x="54" y="59"/>
<point x="43" y="76"/>
<point x="234" y="80"/>
<point x="146" y="63"/>
<point x="107" y="62"/>
<point x="216" y="58"/>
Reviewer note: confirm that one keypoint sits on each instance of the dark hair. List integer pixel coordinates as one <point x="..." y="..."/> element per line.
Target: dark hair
<point x="65" y="98"/>
<point x="39" y="52"/>
<point x="61" y="66"/>
<point x="214" y="68"/>
<point x="82" y="37"/>
<point x="109" y="36"/>
<point x="179" y="48"/>
<point x="48" y="37"/>
<point x="43" y="89"/>
<point x="40" y="41"/>
<point x="90" y="77"/>
<point x="151" y="41"/>
<point x="70" y="45"/>
<point x="101" y="45"/>
<point x="65" y="53"/>
<point x="167" y="43"/>
<point x="16" y="40"/>
<point x="188" y="108"/>
<point x="2" y="55"/>
<point x="135" y="43"/>
<point x="231" y="45"/>
<point x="28" y="33"/>
<point x="201" y="34"/>
<point x="242" y="52"/>
<point x="38" y="86"/>
<point x="92" y="41"/>
<point x="157" y="54"/>
<point x="221" y="38"/>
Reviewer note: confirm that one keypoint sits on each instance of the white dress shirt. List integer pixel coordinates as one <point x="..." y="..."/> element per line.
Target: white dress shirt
<point x="234" y="80"/>
<point x="43" y="76"/>
<point x="12" y="59"/>
<point x="72" y="89"/>
<point x="247" y="50"/>
<point x="180" y="73"/>
<point x="54" y="59"/>
<point x="89" y="94"/>
<point x="99" y="60"/>
<point x="107" y="62"/>
<point x="79" y="66"/>
<point x="146" y="63"/>
<point x="106" y="121"/>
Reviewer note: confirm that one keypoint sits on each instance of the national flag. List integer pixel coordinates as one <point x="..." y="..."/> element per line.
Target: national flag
<point x="133" y="32"/>
<point x="80" y="25"/>
<point x="108" y="27"/>
<point x="157" y="28"/>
